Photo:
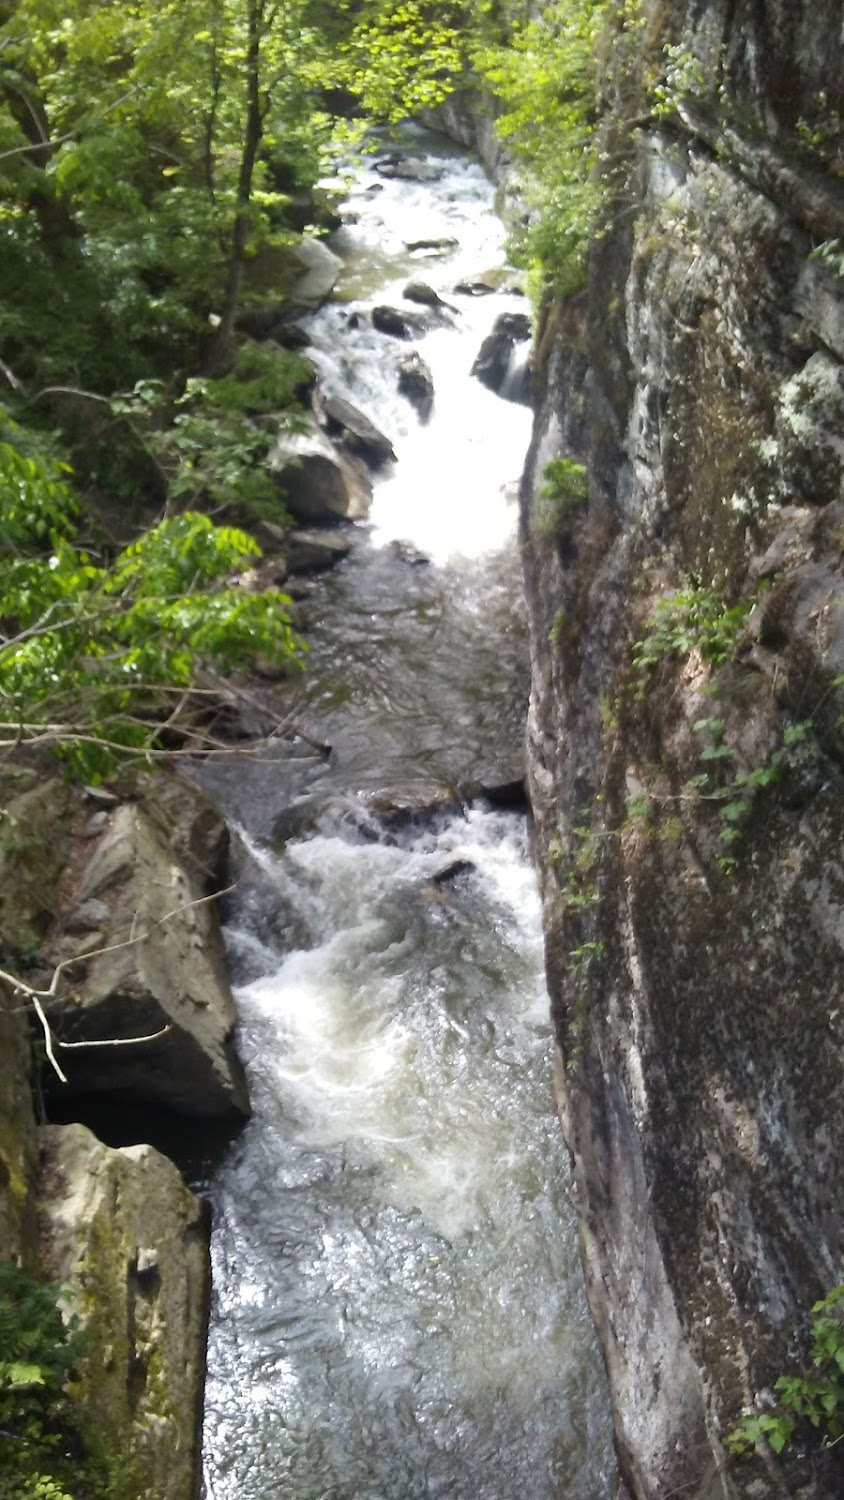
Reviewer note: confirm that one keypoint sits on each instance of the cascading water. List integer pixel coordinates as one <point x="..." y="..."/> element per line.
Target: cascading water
<point x="398" y="1311"/>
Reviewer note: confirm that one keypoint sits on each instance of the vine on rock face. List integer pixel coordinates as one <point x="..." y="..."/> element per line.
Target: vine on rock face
<point x="815" y="1396"/>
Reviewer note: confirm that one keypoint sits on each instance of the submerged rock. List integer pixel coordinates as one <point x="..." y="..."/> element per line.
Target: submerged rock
<point x="122" y="1233"/>
<point x="407" y="553"/>
<point x="416" y="382"/>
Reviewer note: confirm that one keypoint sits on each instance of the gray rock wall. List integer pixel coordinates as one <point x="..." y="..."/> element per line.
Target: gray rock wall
<point x="125" y="1237"/>
<point x="118" y="1228"/>
<point x="696" y="981"/>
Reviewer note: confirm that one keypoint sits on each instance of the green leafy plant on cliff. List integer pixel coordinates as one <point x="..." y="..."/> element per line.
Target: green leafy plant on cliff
<point x="697" y="619"/>
<point x="564" y="489"/>
<point x="815" y="1396"/>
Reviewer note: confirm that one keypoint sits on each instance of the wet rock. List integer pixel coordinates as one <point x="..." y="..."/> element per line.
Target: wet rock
<point x="358" y="433"/>
<point x="409" y="169"/>
<point x="493" y="362"/>
<point x="407" y="553"/>
<point x="123" y="1234"/>
<point x="416" y="382"/>
<point x="411" y="804"/>
<point x="320" y="485"/>
<point x="421" y="292"/>
<point x="398" y="324"/>
<point x="483" y="283"/>
<point x="452" y="871"/>
<point x="164" y="976"/>
<point x="291" y="336"/>
<point x="316" y="551"/>
<point x="509" y="795"/>
<point x="309" y="814"/>
<point x="441" y="246"/>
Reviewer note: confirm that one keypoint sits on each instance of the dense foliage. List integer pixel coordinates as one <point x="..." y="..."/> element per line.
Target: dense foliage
<point x="42" y="1455"/>
<point x="150" y="156"/>
<point x="101" y="658"/>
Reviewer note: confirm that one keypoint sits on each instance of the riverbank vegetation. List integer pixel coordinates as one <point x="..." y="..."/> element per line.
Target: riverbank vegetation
<point x="157" y="167"/>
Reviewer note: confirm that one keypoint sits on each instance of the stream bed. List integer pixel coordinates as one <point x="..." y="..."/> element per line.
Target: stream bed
<point x="398" y="1307"/>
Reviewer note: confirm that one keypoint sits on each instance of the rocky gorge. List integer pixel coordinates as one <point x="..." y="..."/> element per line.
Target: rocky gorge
<point x="685" y="623"/>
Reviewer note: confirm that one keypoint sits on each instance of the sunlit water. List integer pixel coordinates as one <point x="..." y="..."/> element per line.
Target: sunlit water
<point x="398" y="1310"/>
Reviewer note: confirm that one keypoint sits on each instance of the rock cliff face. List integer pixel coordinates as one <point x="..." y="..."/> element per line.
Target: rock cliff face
<point x="125" y="1237"/>
<point x="127" y="882"/>
<point x="688" y="788"/>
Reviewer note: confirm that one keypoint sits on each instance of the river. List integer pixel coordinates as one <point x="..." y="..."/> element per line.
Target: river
<point x="398" y="1308"/>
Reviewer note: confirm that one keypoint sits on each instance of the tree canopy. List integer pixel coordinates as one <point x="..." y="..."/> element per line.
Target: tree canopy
<point x="152" y="158"/>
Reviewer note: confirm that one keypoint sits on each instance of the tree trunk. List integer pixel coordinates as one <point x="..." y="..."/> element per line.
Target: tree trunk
<point x="253" y="134"/>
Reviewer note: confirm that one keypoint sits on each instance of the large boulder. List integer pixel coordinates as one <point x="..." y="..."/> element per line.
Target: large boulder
<point x="358" y="434"/>
<point x="320" y="485"/>
<point x="416" y="382"/>
<point x="128" y="1240"/>
<point x="150" y="962"/>
<point x="320" y="271"/>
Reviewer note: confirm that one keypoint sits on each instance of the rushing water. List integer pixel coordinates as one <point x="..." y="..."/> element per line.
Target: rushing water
<point x="398" y="1310"/>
